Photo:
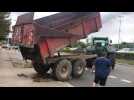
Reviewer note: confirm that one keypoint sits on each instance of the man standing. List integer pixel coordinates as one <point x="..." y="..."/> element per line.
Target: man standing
<point x="102" y="70"/>
<point x="111" y="56"/>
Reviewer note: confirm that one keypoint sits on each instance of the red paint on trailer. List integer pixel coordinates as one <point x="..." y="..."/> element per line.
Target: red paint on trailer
<point x="43" y="48"/>
<point x="55" y="32"/>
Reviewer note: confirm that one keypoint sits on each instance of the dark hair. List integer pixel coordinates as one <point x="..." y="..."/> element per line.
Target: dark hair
<point x="103" y="54"/>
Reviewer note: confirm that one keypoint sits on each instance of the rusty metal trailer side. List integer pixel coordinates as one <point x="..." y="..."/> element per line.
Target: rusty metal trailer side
<point x="53" y="39"/>
<point x="54" y="32"/>
<point x="70" y="57"/>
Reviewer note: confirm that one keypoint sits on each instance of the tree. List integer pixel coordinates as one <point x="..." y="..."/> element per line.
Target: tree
<point x="4" y="24"/>
<point x="124" y="45"/>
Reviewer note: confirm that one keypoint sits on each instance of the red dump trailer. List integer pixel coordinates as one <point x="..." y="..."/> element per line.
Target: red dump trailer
<point x="39" y="41"/>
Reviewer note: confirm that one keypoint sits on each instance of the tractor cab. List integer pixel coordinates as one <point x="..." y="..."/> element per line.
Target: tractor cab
<point x="99" y="44"/>
<point x="100" y="41"/>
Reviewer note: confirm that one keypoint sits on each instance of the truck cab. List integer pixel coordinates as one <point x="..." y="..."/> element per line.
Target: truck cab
<point x="102" y="45"/>
<point x="98" y="42"/>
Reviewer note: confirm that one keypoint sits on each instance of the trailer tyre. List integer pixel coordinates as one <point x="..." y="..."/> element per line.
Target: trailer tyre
<point x="40" y="68"/>
<point x="63" y="70"/>
<point x="78" y="68"/>
<point x="89" y="62"/>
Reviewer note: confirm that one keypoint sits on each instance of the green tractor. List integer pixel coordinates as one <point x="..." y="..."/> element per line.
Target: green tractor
<point x="101" y="45"/>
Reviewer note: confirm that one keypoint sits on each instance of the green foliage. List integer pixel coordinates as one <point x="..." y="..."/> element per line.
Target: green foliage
<point x="4" y="24"/>
<point x="124" y="45"/>
<point x="125" y="61"/>
<point x="125" y="56"/>
<point x="79" y="45"/>
<point x="67" y="49"/>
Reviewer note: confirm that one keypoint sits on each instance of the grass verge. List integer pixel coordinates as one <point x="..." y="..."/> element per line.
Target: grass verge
<point x="124" y="61"/>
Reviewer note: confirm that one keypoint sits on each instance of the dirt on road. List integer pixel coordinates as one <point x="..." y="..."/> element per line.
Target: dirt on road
<point x="14" y="72"/>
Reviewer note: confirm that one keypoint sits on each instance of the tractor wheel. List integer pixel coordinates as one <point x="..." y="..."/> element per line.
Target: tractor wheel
<point x="63" y="70"/>
<point x="40" y="68"/>
<point x="78" y="68"/>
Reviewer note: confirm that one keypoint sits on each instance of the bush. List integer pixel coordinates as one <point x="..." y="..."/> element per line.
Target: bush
<point x="67" y="49"/>
<point x="125" y="56"/>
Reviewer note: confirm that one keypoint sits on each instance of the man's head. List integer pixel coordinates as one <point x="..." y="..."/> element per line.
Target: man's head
<point x="103" y="54"/>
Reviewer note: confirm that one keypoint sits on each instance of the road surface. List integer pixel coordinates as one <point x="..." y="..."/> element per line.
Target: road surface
<point x="14" y="74"/>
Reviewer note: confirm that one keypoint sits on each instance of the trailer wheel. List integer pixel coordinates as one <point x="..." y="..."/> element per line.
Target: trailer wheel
<point x="63" y="70"/>
<point x="78" y="68"/>
<point x="89" y="63"/>
<point x="40" y="68"/>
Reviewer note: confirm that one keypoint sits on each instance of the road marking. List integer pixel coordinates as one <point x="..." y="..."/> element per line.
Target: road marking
<point x="66" y="84"/>
<point x="123" y="80"/>
<point x="86" y="69"/>
<point x="69" y="85"/>
<point x="111" y="76"/>
<point x="126" y="81"/>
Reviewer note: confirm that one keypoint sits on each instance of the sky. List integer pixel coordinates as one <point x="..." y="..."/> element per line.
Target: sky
<point x="110" y="25"/>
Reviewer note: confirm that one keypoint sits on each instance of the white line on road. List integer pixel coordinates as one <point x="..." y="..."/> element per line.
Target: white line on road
<point x="123" y="80"/>
<point x="126" y="81"/>
<point x="69" y="85"/>
<point x="66" y="84"/>
<point x="111" y="76"/>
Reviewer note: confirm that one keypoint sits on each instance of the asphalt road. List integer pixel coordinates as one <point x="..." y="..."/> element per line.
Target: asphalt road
<point x="122" y="76"/>
<point x="14" y="74"/>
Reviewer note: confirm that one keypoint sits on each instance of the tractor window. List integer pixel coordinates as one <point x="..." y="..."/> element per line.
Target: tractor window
<point x="103" y="42"/>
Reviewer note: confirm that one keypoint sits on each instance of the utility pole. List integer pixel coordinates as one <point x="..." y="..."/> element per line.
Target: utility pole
<point x="119" y="32"/>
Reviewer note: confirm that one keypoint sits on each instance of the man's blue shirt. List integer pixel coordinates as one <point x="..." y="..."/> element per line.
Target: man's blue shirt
<point x="102" y="67"/>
